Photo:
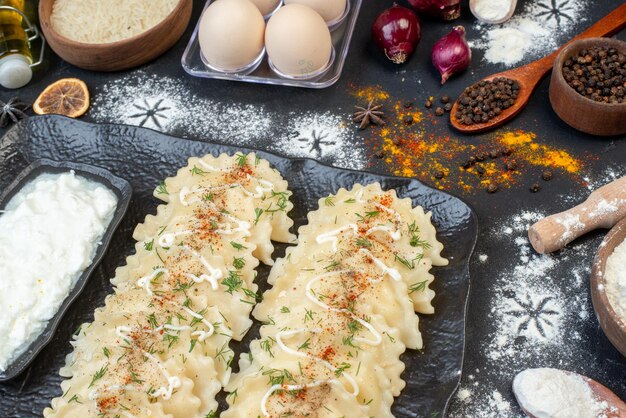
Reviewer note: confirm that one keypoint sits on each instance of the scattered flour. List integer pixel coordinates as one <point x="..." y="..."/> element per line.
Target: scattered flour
<point x="538" y="29"/>
<point x="552" y="393"/>
<point x="538" y="315"/>
<point x="571" y="225"/>
<point x="605" y="207"/>
<point x="320" y="136"/>
<point x="483" y="258"/>
<point x="615" y="277"/>
<point x="167" y="105"/>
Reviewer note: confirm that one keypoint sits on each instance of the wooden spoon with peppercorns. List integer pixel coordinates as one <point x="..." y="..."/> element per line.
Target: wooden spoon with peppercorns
<point x="524" y="80"/>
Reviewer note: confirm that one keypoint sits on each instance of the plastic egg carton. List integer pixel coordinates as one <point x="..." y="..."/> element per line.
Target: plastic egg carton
<point x="262" y="71"/>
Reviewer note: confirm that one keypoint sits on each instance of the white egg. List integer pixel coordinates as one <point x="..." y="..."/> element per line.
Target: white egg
<point x="231" y="34"/>
<point x="266" y="6"/>
<point x="297" y="40"/>
<point x="328" y="9"/>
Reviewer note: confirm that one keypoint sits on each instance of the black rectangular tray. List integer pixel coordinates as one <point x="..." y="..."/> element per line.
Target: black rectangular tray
<point x="122" y="190"/>
<point x="145" y="157"/>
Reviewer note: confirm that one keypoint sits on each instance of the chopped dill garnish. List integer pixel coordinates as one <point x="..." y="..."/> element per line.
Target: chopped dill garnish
<point x="418" y="287"/>
<point x="249" y="293"/>
<point x="149" y="245"/>
<point x="237" y="246"/>
<point x="267" y="344"/>
<point x="354" y="326"/>
<point x="332" y="265"/>
<point x="195" y="170"/>
<point x="363" y="242"/>
<point x="305" y="345"/>
<point x="372" y="214"/>
<point x="232" y="282"/>
<point x="238" y="263"/>
<point x="162" y="188"/>
<point x="339" y="370"/>
<point x="408" y="264"/>
<point x="308" y="316"/>
<point x="98" y="375"/>
<point x="153" y="321"/>
<point x="329" y="201"/>
<point x="242" y="160"/>
<point x="171" y="339"/>
<point x="258" y="212"/>
<point x="279" y="377"/>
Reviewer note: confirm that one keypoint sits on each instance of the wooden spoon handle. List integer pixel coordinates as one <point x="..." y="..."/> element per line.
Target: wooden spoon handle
<point x="607" y="26"/>
<point x="603" y="209"/>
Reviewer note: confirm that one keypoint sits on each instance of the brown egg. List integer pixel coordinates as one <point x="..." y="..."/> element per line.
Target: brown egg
<point x="298" y="41"/>
<point x="231" y="34"/>
<point x="266" y="6"/>
<point x="330" y="10"/>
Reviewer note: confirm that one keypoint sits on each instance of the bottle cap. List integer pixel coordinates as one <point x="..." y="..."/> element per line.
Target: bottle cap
<point x="15" y="71"/>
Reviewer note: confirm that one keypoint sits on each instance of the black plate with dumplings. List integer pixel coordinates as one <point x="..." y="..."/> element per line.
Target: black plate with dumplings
<point x="145" y="157"/>
<point x="122" y="190"/>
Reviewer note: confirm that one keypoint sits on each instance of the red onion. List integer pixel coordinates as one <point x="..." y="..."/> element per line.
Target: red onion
<point x="397" y="32"/>
<point x="451" y="53"/>
<point x="443" y="9"/>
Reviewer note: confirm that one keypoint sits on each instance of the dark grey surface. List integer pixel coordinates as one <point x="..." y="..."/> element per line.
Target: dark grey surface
<point x="365" y="66"/>
<point x="24" y="175"/>
<point x="145" y="157"/>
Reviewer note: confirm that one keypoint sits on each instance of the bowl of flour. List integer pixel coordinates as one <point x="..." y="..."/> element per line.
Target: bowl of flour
<point x="608" y="286"/>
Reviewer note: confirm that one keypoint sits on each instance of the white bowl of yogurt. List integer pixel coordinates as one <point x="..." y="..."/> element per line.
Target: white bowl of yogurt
<point x="56" y="220"/>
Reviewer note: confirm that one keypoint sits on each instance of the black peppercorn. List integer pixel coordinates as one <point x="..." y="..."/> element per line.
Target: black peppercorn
<point x="546" y="175"/>
<point x="511" y="166"/>
<point x="486" y="99"/>
<point x="447" y="107"/>
<point x="439" y="111"/>
<point x="380" y="154"/>
<point x="445" y="99"/>
<point x="597" y="73"/>
<point x="408" y="119"/>
<point x="439" y="175"/>
<point x="428" y="104"/>
<point x="535" y="188"/>
<point x="480" y="170"/>
<point x="492" y="188"/>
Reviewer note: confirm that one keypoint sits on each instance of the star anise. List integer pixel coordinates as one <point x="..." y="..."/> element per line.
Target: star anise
<point x="13" y="110"/>
<point x="367" y="116"/>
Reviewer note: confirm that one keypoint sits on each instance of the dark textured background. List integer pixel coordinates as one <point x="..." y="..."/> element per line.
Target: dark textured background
<point x="366" y="67"/>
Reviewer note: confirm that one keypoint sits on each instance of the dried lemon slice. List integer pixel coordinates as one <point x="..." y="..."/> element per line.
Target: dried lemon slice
<point x="68" y="97"/>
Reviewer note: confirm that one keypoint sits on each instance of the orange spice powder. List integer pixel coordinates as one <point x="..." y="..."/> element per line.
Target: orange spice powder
<point x="410" y="146"/>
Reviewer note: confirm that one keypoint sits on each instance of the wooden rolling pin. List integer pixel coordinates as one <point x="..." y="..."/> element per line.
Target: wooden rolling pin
<point x="603" y="209"/>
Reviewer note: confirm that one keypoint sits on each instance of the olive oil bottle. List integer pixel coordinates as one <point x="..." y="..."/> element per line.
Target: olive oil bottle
<point x="15" y="54"/>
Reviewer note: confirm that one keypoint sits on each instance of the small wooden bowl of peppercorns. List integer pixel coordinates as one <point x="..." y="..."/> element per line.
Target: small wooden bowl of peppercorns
<point x="588" y="86"/>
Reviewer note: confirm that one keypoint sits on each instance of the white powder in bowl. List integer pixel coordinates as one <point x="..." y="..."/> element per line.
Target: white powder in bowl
<point x="491" y="10"/>
<point x="553" y="393"/>
<point x="615" y="277"/>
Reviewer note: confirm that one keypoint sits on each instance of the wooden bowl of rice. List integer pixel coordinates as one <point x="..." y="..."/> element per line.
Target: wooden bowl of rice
<point x="112" y="35"/>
